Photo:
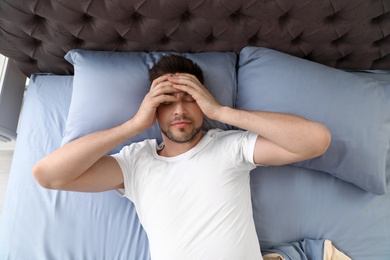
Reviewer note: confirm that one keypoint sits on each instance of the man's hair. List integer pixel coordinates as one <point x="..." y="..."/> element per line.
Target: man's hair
<point x="175" y="64"/>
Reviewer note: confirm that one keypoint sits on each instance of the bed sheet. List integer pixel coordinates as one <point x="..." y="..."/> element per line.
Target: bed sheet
<point x="307" y="204"/>
<point x="290" y="203"/>
<point x="45" y="224"/>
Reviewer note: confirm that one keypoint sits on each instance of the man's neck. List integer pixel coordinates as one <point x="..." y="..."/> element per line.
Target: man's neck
<point x="172" y="148"/>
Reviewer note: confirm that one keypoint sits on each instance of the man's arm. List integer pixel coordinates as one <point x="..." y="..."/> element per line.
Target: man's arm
<point x="82" y="165"/>
<point x="283" y="138"/>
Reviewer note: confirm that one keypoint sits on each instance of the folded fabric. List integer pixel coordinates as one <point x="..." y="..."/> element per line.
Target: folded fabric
<point x="305" y="250"/>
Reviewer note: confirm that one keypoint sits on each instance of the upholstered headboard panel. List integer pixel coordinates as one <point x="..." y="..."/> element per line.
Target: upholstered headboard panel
<point x="342" y="33"/>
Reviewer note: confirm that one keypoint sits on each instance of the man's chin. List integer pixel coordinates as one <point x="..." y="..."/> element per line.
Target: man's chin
<point x="180" y="135"/>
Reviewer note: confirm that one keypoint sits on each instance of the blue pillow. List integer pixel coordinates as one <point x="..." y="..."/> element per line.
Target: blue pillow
<point x="354" y="108"/>
<point x="108" y="88"/>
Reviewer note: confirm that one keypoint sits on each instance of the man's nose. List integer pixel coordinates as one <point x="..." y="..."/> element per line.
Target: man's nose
<point x="180" y="108"/>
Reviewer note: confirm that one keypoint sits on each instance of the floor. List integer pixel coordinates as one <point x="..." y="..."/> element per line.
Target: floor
<point x="5" y="165"/>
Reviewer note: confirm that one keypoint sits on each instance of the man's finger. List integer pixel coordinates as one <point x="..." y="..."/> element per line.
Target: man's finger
<point x="193" y="77"/>
<point x="159" y="80"/>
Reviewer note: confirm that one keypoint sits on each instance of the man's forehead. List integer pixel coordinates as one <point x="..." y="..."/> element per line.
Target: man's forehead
<point x="178" y="93"/>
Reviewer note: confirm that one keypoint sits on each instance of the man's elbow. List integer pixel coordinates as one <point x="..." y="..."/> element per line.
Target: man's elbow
<point x="42" y="176"/>
<point x="323" y="141"/>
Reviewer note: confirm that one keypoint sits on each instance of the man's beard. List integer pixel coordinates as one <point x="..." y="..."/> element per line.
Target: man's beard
<point x="184" y="139"/>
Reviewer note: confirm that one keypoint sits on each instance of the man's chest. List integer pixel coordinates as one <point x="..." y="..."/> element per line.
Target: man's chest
<point x="195" y="185"/>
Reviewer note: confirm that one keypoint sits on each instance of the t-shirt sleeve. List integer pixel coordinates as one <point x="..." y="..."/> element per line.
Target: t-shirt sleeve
<point x="240" y="146"/>
<point x="124" y="160"/>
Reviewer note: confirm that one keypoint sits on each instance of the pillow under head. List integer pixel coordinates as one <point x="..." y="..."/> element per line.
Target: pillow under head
<point x="108" y="88"/>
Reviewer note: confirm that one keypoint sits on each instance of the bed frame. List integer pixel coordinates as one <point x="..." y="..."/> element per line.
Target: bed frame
<point x="345" y="34"/>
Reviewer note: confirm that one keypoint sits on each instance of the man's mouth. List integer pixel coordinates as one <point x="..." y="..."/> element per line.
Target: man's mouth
<point x="180" y="124"/>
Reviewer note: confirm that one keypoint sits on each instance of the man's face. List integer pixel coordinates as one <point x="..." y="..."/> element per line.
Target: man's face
<point x="181" y="121"/>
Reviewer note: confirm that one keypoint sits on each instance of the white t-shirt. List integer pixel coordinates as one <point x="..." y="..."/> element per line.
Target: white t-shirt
<point x="196" y="205"/>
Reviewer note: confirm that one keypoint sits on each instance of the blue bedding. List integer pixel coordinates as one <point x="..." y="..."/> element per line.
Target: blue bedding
<point x="290" y="203"/>
<point x="46" y="224"/>
<point x="307" y="249"/>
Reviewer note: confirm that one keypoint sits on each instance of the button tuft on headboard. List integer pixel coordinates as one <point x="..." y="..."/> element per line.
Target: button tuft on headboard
<point x="236" y="15"/>
<point x="297" y="40"/>
<point x="339" y="40"/>
<point x="78" y="43"/>
<point x="37" y="41"/>
<point x="37" y="18"/>
<point x="344" y="57"/>
<point x="209" y="39"/>
<point x="284" y="18"/>
<point x="333" y="18"/>
<point x="136" y="17"/>
<point x="165" y="40"/>
<point x="381" y="42"/>
<point x="378" y="20"/>
<point x="186" y="16"/>
<point x="382" y="61"/>
<point x="253" y="40"/>
<point x="87" y="17"/>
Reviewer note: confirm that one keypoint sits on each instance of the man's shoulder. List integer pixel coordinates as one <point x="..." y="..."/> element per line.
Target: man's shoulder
<point x="216" y="133"/>
<point x="146" y="144"/>
<point x="228" y="137"/>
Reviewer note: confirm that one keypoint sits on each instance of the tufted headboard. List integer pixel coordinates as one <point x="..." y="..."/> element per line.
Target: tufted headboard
<point x="346" y="34"/>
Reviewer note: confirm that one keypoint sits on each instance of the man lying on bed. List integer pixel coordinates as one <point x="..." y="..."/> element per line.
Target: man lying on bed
<point x="191" y="192"/>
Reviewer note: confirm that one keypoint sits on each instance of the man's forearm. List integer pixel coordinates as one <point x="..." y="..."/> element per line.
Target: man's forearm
<point x="293" y="133"/>
<point x="73" y="159"/>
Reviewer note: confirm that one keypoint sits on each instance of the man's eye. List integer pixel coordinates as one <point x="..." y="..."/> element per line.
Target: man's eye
<point x="166" y="103"/>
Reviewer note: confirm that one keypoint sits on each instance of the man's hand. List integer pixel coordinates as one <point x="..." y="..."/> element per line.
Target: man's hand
<point x="190" y="84"/>
<point x="82" y="165"/>
<point x="158" y="94"/>
<point x="283" y="138"/>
